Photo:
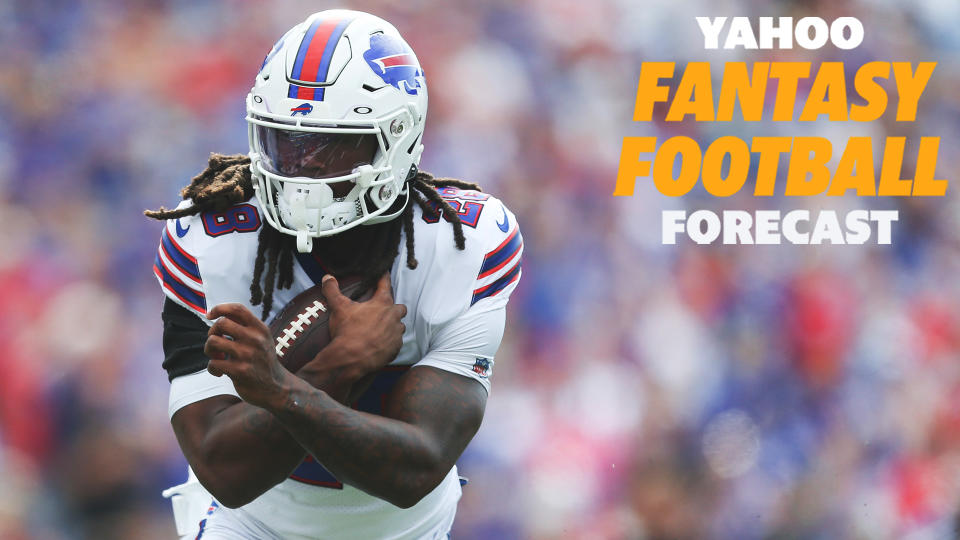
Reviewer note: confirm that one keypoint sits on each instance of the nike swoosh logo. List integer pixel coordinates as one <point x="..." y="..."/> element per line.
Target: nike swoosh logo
<point x="181" y="232"/>
<point x="505" y="226"/>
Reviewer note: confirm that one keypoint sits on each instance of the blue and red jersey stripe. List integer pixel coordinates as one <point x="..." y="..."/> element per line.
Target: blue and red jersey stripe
<point x="493" y="288"/>
<point x="203" y="522"/>
<point x="179" y="273"/>
<point x="502" y="254"/>
<point x="312" y="63"/>
<point x="506" y="255"/>
<point x="192" y="298"/>
<point x="183" y="261"/>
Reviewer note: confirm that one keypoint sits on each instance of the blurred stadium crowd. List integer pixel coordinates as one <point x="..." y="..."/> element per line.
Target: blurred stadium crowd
<point x="642" y="391"/>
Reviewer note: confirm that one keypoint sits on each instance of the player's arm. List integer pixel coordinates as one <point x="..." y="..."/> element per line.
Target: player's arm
<point x="430" y="415"/>
<point x="238" y="450"/>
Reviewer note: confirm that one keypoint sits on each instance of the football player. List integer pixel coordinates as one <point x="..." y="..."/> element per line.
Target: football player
<point x="331" y="189"/>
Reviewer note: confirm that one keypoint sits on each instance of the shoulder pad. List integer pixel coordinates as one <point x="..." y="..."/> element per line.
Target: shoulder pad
<point x="501" y="251"/>
<point x="485" y="272"/>
<point x="209" y="246"/>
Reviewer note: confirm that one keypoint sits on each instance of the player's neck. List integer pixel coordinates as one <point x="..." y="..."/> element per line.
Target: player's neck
<point x="351" y="250"/>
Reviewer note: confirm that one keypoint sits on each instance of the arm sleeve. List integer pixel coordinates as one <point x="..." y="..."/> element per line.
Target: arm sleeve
<point x="468" y="344"/>
<point x="184" y="336"/>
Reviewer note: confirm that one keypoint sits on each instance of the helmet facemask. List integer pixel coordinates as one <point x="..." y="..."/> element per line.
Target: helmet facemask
<point x="315" y="180"/>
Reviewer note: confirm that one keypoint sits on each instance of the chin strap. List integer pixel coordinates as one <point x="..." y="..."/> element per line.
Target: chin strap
<point x="304" y="242"/>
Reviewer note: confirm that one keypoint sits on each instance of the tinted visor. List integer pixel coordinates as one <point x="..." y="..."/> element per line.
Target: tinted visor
<point x="314" y="155"/>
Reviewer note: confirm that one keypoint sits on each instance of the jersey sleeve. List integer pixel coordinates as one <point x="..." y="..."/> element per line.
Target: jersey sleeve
<point x="177" y="269"/>
<point x="197" y="387"/>
<point x="468" y="344"/>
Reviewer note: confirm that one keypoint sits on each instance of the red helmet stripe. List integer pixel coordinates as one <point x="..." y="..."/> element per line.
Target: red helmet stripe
<point x="398" y="60"/>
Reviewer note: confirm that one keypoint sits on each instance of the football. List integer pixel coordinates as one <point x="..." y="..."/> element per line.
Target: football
<point x="301" y="329"/>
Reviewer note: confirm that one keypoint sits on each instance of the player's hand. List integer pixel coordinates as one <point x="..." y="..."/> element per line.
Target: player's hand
<point x="369" y="334"/>
<point x="240" y="346"/>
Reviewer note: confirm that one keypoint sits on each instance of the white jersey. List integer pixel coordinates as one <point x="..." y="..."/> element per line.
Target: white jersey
<point x="455" y="318"/>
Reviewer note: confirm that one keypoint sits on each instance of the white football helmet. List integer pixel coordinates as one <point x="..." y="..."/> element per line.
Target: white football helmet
<point x="335" y="121"/>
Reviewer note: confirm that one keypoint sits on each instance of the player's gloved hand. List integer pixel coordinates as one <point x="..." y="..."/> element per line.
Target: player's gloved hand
<point x="366" y="336"/>
<point x="240" y="346"/>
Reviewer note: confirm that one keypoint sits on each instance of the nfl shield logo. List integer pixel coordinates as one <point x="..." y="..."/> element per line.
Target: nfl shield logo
<point x="482" y="367"/>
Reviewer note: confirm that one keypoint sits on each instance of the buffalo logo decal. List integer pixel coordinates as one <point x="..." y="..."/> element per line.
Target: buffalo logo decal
<point x="303" y="109"/>
<point x="393" y="62"/>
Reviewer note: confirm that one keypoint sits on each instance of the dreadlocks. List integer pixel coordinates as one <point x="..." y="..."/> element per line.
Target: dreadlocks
<point x="227" y="181"/>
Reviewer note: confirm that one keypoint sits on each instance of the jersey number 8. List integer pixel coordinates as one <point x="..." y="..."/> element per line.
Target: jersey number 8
<point x="240" y="218"/>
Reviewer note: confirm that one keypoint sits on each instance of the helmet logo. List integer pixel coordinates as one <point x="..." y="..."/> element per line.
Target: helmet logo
<point x="303" y="109"/>
<point x="273" y="52"/>
<point x="393" y="62"/>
